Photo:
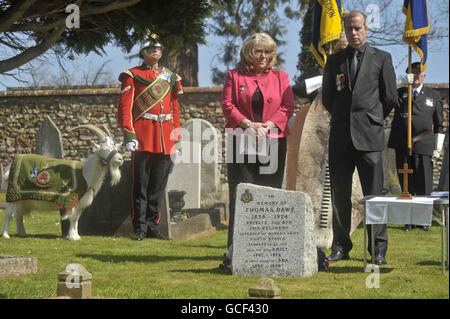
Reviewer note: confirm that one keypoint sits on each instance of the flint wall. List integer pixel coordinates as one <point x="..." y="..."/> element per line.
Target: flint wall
<point x="22" y="111"/>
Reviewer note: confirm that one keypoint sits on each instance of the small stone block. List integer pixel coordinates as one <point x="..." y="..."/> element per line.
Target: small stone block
<point x="82" y="290"/>
<point x="17" y="265"/>
<point x="264" y="288"/>
<point x="75" y="282"/>
<point x="75" y="270"/>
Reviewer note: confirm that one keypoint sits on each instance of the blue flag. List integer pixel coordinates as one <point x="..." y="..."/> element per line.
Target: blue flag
<point x="417" y="27"/>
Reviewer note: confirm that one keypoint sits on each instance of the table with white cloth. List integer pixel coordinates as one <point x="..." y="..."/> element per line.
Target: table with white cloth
<point x="416" y="211"/>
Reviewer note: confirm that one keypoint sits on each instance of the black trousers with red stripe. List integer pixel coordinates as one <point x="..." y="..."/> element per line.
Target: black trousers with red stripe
<point x="150" y="174"/>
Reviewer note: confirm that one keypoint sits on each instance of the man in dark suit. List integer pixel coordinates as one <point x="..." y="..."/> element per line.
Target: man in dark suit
<point x="426" y="119"/>
<point x="359" y="90"/>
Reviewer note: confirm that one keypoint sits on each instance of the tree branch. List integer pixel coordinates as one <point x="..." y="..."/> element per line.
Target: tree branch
<point x="13" y="13"/>
<point x="31" y="53"/>
<point x="109" y="7"/>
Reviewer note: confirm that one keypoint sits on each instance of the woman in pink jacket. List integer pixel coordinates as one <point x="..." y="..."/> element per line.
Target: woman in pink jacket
<point x="256" y="101"/>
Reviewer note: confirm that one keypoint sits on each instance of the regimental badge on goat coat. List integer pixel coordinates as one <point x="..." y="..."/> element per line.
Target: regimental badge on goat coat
<point x="42" y="178"/>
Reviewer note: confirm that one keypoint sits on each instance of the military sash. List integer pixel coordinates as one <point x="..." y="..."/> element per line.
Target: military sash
<point x="152" y="94"/>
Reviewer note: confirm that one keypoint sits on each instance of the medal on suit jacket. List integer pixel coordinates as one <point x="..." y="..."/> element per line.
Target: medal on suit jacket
<point x="340" y="82"/>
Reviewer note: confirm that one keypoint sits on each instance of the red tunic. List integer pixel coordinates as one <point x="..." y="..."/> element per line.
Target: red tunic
<point x="153" y="136"/>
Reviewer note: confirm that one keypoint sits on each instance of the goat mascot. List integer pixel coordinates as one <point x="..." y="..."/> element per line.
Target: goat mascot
<point x="34" y="182"/>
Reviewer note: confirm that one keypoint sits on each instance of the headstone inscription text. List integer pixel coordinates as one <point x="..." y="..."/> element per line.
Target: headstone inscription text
<point x="273" y="233"/>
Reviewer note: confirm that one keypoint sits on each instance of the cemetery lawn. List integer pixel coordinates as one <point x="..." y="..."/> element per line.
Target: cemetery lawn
<point x="188" y="269"/>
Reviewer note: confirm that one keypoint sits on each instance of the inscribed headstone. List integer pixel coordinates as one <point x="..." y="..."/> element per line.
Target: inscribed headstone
<point x="273" y="233"/>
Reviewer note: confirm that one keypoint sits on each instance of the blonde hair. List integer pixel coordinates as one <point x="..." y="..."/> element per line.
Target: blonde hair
<point x="247" y="54"/>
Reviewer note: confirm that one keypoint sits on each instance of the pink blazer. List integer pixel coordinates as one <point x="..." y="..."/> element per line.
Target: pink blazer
<point x="277" y="93"/>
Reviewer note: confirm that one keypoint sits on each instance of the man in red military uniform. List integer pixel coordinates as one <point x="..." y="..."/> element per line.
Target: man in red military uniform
<point x="149" y="117"/>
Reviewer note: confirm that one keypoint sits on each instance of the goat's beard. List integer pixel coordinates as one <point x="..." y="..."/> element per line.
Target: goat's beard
<point x="115" y="175"/>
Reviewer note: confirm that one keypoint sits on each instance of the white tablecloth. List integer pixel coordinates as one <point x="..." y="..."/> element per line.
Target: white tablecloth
<point x="390" y="210"/>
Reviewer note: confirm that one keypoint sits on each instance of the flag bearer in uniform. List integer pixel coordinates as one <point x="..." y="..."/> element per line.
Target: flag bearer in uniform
<point x="149" y="117"/>
<point x="427" y="133"/>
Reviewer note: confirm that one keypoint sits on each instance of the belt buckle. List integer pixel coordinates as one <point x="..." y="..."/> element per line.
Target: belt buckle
<point x="162" y="117"/>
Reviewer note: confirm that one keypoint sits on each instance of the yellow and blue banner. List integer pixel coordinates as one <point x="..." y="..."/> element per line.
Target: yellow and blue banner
<point x="417" y="27"/>
<point x="327" y="26"/>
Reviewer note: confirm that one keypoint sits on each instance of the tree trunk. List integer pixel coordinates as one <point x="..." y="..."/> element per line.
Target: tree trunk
<point x="184" y="62"/>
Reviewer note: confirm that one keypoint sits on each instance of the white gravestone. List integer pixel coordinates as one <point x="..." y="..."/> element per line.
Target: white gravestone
<point x="273" y="233"/>
<point x="203" y="132"/>
<point x="186" y="175"/>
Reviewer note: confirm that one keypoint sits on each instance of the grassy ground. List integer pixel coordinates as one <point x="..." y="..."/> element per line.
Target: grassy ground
<point x="188" y="269"/>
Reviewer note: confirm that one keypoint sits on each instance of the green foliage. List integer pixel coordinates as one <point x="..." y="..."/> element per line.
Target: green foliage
<point x="307" y="63"/>
<point x="175" y="21"/>
<point x="29" y="29"/>
<point x="188" y="269"/>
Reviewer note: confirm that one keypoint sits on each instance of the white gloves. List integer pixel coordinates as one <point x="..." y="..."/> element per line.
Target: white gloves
<point x="410" y="78"/>
<point x="438" y="142"/>
<point x="406" y="80"/>
<point x="315" y="83"/>
<point x="132" y="145"/>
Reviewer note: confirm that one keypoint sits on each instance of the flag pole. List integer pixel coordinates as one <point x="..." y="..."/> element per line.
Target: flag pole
<point x="409" y="104"/>
<point x="405" y="171"/>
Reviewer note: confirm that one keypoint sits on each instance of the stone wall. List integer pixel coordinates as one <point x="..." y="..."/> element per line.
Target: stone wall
<point x="22" y="111"/>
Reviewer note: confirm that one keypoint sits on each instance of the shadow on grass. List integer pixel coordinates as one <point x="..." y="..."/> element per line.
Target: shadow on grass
<point x="215" y="271"/>
<point x="145" y="259"/>
<point x="224" y="247"/>
<point x="38" y="236"/>
<point x="429" y="263"/>
<point x="353" y="269"/>
<point x="45" y="236"/>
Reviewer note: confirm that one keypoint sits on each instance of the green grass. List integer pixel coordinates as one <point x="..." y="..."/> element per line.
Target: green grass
<point x="123" y="268"/>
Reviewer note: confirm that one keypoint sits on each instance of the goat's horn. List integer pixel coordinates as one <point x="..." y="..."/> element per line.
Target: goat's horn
<point x="105" y="127"/>
<point x="93" y="128"/>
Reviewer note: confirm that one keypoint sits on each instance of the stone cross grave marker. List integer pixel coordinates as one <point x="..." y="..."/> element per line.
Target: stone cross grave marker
<point x="48" y="140"/>
<point x="273" y="233"/>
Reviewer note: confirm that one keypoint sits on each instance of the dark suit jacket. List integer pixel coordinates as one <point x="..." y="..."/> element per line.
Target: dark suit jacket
<point x="357" y="113"/>
<point x="426" y="115"/>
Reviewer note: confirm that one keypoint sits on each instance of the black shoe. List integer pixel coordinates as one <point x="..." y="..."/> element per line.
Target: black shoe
<point x="139" y="236"/>
<point x="407" y="228"/>
<point x="424" y="228"/>
<point x="157" y="236"/>
<point x="380" y="260"/>
<point x="336" y="256"/>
